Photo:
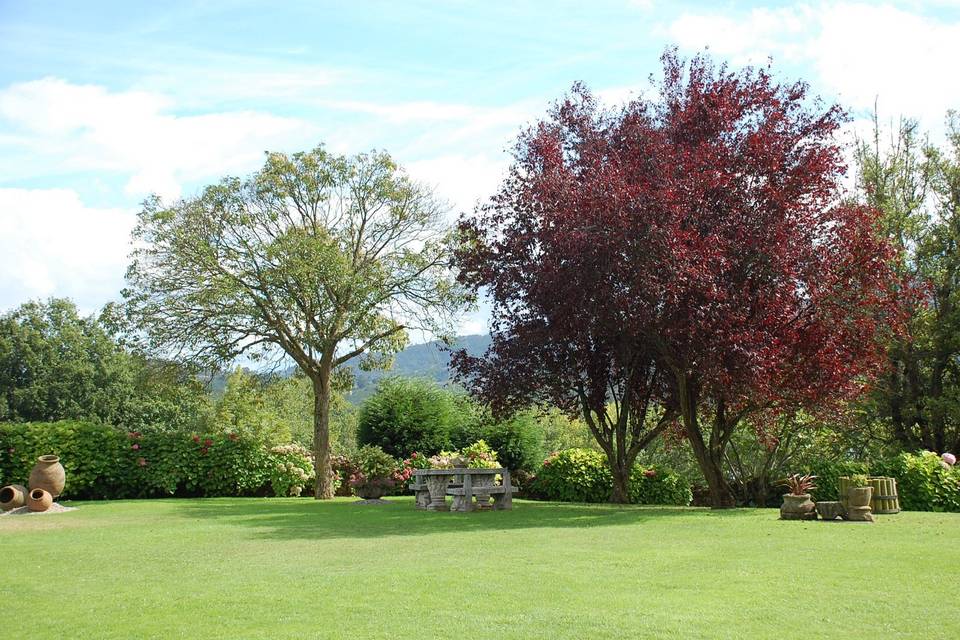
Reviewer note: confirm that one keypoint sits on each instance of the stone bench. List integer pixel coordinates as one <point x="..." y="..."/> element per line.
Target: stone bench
<point x="502" y="497"/>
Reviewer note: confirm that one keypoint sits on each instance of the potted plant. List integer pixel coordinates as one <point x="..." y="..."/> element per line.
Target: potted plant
<point x="376" y="473"/>
<point x="797" y="504"/>
<point x="479" y="455"/>
<point x="860" y="491"/>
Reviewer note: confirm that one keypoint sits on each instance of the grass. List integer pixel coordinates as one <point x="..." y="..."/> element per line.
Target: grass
<point x="295" y="568"/>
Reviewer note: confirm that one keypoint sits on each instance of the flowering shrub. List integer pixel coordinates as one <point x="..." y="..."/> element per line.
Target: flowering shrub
<point x="102" y="461"/>
<point x="343" y="468"/>
<point x="376" y="468"/>
<point x="479" y="455"/>
<point x="443" y="460"/>
<point x="292" y="469"/>
<point x="417" y="461"/>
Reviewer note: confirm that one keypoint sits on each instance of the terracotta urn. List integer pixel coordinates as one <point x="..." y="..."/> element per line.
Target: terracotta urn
<point x="860" y="496"/>
<point x="48" y="475"/>
<point x="12" y="496"/>
<point x="39" y="500"/>
<point x="798" y="507"/>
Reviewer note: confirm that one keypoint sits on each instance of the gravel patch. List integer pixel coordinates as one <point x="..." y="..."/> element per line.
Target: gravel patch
<point x="24" y="511"/>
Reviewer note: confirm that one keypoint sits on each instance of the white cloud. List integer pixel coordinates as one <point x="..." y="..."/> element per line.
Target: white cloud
<point x="51" y="244"/>
<point x="859" y="51"/>
<point x="87" y="128"/>
<point x="463" y="180"/>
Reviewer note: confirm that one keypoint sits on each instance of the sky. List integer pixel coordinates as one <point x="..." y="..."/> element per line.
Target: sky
<point x="104" y="103"/>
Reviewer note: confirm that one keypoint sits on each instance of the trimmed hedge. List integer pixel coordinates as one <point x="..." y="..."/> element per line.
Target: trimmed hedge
<point x="103" y="462"/>
<point x="582" y="475"/>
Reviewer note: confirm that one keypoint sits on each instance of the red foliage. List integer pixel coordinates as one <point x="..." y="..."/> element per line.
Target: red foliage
<point x="701" y="232"/>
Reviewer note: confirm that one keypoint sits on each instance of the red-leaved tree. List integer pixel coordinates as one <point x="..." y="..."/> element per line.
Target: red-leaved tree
<point x="690" y="251"/>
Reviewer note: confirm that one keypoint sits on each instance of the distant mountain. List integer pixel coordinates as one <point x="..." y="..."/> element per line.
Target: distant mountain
<point x="428" y="360"/>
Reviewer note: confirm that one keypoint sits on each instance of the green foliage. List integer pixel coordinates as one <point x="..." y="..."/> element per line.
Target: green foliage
<point x="583" y="475"/>
<point x="828" y="474"/>
<point x="292" y="469"/>
<point x="245" y="408"/>
<point x="56" y="365"/>
<point x="923" y="483"/>
<point x="658" y="486"/>
<point x="560" y="432"/>
<point x="479" y="455"/>
<point x="574" y="475"/>
<point x="102" y="461"/>
<point x="518" y="440"/>
<point x="413" y="414"/>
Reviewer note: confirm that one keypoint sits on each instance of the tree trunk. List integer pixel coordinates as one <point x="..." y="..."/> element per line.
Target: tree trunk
<point x="709" y="461"/>
<point x="321" y="435"/>
<point x="621" y="484"/>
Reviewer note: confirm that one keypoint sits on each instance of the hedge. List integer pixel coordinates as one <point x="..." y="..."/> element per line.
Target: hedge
<point x="583" y="475"/>
<point x="104" y="462"/>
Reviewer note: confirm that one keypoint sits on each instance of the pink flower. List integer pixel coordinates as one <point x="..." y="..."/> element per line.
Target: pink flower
<point x="207" y="442"/>
<point x="649" y="473"/>
<point x="135" y="446"/>
<point x="196" y="438"/>
<point x="949" y="458"/>
<point x="142" y="462"/>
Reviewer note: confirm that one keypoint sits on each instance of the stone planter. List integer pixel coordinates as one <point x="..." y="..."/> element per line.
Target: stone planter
<point x="830" y="510"/>
<point x="437" y="486"/>
<point x="481" y="489"/>
<point x="860" y="496"/>
<point x="48" y="475"/>
<point x="798" y="507"/>
<point x="12" y="496"/>
<point x="39" y="500"/>
<point x="859" y="504"/>
<point x="370" y="490"/>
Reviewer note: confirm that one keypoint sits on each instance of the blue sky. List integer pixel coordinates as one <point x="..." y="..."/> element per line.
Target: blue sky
<point x="102" y="103"/>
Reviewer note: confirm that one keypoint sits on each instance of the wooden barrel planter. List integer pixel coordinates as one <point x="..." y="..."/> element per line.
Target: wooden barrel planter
<point x="885" y="499"/>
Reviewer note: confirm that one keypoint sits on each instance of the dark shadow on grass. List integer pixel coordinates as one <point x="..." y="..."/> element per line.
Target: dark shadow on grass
<point x="307" y="519"/>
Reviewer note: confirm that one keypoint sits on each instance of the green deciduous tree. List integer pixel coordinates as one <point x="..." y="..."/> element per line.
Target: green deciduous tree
<point x="316" y="257"/>
<point x="917" y="187"/>
<point x="55" y="365"/>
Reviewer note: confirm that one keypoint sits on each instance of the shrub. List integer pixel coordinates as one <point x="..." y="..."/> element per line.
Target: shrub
<point x="518" y="440"/>
<point x="659" y="486"/>
<point x="582" y="475"/>
<point x="923" y="484"/>
<point x="376" y="467"/>
<point x="479" y="455"/>
<point x="828" y="477"/>
<point x="102" y="461"/>
<point x="412" y="414"/>
<point x="292" y="469"/>
<point x="573" y="475"/>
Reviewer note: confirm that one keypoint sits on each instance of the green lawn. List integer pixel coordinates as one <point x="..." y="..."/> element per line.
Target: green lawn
<point x="295" y="568"/>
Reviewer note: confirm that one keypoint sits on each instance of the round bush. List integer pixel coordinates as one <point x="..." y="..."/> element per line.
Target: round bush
<point x="517" y="440"/>
<point x="411" y="414"/>
<point x="574" y="475"/>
